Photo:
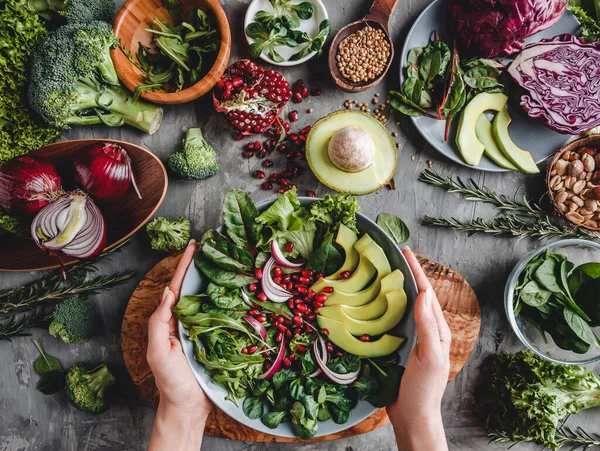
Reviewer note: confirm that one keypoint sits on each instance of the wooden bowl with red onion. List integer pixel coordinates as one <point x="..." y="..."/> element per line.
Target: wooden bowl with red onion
<point x="115" y="186"/>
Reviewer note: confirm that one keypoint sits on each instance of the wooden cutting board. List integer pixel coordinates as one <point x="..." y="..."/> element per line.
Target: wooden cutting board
<point x="458" y="300"/>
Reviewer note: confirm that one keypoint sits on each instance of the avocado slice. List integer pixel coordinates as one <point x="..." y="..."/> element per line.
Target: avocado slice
<point x="346" y="238"/>
<point x="483" y="130"/>
<point x="356" y="282"/>
<point x="470" y="147"/>
<point x="340" y="336"/>
<point x="520" y="158"/>
<point x="374" y="309"/>
<point x="366" y="181"/>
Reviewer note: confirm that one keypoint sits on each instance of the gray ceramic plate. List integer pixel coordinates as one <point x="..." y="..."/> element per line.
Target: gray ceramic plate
<point x="529" y="134"/>
<point x="194" y="282"/>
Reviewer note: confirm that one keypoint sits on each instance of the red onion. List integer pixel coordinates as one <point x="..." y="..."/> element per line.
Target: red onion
<point x="323" y="351"/>
<point x="280" y="258"/>
<point x="72" y="225"/>
<point x="104" y="171"/>
<point x="337" y="378"/>
<point x="246" y="299"/>
<point x="276" y="364"/>
<point x="273" y="291"/>
<point x="258" y="327"/>
<point x="28" y="184"/>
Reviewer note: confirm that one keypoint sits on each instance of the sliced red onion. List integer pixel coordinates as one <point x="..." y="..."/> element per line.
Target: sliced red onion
<point x="273" y="291"/>
<point x="258" y="327"/>
<point x="337" y="378"/>
<point x="246" y="299"/>
<point x="321" y="343"/>
<point x="280" y="258"/>
<point x="73" y="225"/>
<point x="276" y="364"/>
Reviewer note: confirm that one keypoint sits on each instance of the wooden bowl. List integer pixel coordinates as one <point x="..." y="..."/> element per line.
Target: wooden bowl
<point x="123" y="218"/>
<point x="129" y="26"/>
<point x="590" y="141"/>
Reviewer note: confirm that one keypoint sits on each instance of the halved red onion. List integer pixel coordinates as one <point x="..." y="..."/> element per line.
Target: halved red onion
<point x="337" y="378"/>
<point x="246" y="299"/>
<point x="273" y="291"/>
<point x="73" y="225"/>
<point x="258" y="327"/>
<point x="276" y="364"/>
<point x="280" y="258"/>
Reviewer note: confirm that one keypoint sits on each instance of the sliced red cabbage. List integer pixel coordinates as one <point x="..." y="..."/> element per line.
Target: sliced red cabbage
<point x="561" y="77"/>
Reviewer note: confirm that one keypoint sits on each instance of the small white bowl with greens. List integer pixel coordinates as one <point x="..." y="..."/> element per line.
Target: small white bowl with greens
<point x="286" y="32"/>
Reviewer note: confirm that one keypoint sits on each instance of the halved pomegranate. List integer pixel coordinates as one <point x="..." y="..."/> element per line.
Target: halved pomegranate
<point x="250" y="97"/>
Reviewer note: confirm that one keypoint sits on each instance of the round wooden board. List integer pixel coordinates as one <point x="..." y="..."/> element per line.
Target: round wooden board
<point x="458" y="300"/>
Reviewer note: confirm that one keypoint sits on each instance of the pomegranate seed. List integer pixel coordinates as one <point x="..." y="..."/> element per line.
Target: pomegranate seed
<point x="293" y="136"/>
<point x="311" y="193"/>
<point x="259" y="174"/>
<point x="290" y="155"/>
<point x="261" y="318"/>
<point x="329" y="346"/>
<point x="301" y="348"/>
<point x="287" y="322"/>
<point x="247" y="154"/>
<point x="244" y="350"/>
<point x="287" y="278"/>
<point x="302" y="290"/>
<point x="290" y="303"/>
<point x="277" y="280"/>
<point x="325" y="331"/>
<point x="318" y="276"/>
<point x="273" y="316"/>
<point x="297" y="98"/>
<point x="307" y="328"/>
<point x="301" y="308"/>
<point x="280" y="319"/>
<point x="305" y="281"/>
<point x="267" y="185"/>
<point x="283" y="190"/>
<point x="298" y="85"/>
<point x="287" y="362"/>
<point x="281" y="327"/>
<point x="249" y="146"/>
<point x="297" y="331"/>
<point x="321" y="298"/>
<point x="328" y="290"/>
<point x="291" y="357"/>
<point x="311" y="294"/>
<point x="274" y="177"/>
<point x="278" y="337"/>
<point x="315" y="92"/>
<point x="268" y="365"/>
<point x="278" y="271"/>
<point x="258" y="273"/>
<point x="365" y="337"/>
<point x="297" y="321"/>
<point x="345" y="275"/>
<point x="289" y="247"/>
<point x="311" y="316"/>
<point x="305" y="130"/>
<point x="252" y="349"/>
<point x="307" y="273"/>
<point x="318" y="304"/>
<point x="304" y="92"/>
<point x="262" y="297"/>
<point x="339" y="353"/>
<point x="289" y="286"/>
<point x="267" y="164"/>
<point x="286" y="126"/>
<point x="262" y="153"/>
<point x="293" y="116"/>
<point x="254" y="312"/>
<point x="297" y="313"/>
<point x="252" y="287"/>
<point x="288" y="334"/>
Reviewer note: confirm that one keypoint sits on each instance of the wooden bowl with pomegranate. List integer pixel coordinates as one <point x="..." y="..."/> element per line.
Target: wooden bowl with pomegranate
<point x="573" y="181"/>
<point x="123" y="218"/>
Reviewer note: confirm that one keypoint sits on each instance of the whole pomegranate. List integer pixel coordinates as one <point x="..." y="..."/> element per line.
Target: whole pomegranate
<point x="250" y="97"/>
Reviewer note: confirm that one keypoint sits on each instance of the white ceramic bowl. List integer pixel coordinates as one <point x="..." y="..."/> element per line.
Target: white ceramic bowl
<point x="310" y="26"/>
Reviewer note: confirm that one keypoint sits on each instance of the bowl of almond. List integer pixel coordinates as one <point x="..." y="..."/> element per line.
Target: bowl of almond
<point x="573" y="181"/>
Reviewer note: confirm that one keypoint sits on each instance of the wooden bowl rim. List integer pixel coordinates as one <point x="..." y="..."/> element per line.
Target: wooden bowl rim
<point x="136" y="229"/>
<point x="340" y="81"/>
<point x="202" y="86"/>
<point x="593" y="141"/>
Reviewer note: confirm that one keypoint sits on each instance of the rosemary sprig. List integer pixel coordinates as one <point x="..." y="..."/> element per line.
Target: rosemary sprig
<point x="565" y="436"/>
<point x="520" y="219"/>
<point x="15" y="323"/>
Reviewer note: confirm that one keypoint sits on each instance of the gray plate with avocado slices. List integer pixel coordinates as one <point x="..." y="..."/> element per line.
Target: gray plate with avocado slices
<point x="527" y="133"/>
<point x="194" y="281"/>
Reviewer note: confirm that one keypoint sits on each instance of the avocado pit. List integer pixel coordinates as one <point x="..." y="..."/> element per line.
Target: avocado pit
<point x="351" y="149"/>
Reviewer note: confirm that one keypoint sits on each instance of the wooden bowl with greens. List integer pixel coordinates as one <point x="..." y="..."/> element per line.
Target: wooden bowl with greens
<point x="182" y="58"/>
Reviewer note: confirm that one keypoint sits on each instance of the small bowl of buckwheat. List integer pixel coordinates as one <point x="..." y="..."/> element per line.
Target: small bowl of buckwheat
<point x="573" y="181"/>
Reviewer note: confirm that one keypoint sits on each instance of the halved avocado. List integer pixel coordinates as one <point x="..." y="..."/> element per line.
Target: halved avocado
<point x="340" y="336"/>
<point x="470" y="147"/>
<point x="521" y="158"/>
<point x="346" y="238"/>
<point x="374" y="309"/>
<point x="366" y="181"/>
<point x="483" y="130"/>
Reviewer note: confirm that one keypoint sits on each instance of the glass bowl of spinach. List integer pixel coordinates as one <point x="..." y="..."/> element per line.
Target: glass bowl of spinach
<point x="552" y="301"/>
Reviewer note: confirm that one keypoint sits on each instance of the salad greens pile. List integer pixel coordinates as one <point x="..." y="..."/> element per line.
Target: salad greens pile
<point x="235" y="355"/>
<point x="588" y="15"/>
<point x="560" y="300"/>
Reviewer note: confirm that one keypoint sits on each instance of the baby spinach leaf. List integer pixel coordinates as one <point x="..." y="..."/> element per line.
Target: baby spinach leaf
<point x="239" y="216"/>
<point x="394" y="227"/>
<point x="272" y="420"/>
<point x="298" y="411"/>
<point x="405" y="105"/>
<point x="226" y="254"/>
<point x="51" y="382"/>
<point x="546" y="275"/>
<point x="581" y="274"/>
<point x="45" y="363"/>
<point x="580" y="327"/>
<point x="225" y="298"/>
<point x="366" y="385"/>
<point x="588" y="297"/>
<point x="310" y="406"/>
<point x="534" y="295"/>
<point x="253" y="407"/>
<point x="324" y="413"/>
<point x="188" y="305"/>
<point x="325" y="259"/>
<point x="218" y="275"/>
<point x="430" y="67"/>
<point x="388" y="384"/>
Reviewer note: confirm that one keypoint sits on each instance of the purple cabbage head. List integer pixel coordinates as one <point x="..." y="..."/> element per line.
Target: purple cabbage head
<point x="490" y="28"/>
<point x="561" y="77"/>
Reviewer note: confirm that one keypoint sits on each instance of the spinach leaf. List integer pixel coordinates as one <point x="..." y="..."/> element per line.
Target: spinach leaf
<point x="340" y="401"/>
<point x="324" y="413"/>
<point x="565" y="268"/>
<point x="298" y="411"/>
<point x="188" y="305"/>
<point x="239" y="216"/>
<point x="218" y="275"/>
<point x="225" y="298"/>
<point x="580" y="327"/>
<point x="412" y="70"/>
<point x="588" y="298"/>
<point x="253" y="407"/>
<point x="534" y="295"/>
<point x="226" y="254"/>
<point x="546" y="275"/>
<point x="311" y="406"/>
<point x="388" y="384"/>
<point x="205" y="322"/>
<point x="338" y="415"/>
<point x="308" y="364"/>
<point x="413" y="89"/>
<point x="445" y="55"/>
<point x="51" y="382"/>
<point x="325" y="259"/>
<point x="347" y="363"/>
<point x="482" y="77"/>
<point x="582" y="274"/>
<point x="430" y="67"/>
<point x="260" y="388"/>
<point x="272" y="420"/>
<point x="283" y="376"/>
<point x="208" y="307"/>
<point x="45" y="363"/>
<point x="394" y="227"/>
<point x="306" y="428"/>
<point x="297" y="389"/>
<point x="366" y="385"/>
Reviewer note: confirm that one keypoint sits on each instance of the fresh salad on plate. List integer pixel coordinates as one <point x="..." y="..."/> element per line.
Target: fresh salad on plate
<point x="298" y="319"/>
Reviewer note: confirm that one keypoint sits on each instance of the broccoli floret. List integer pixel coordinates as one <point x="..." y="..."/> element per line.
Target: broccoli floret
<point x="86" y="388"/>
<point x="72" y="80"/>
<point x="74" y="320"/>
<point x="197" y="160"/>
<point x="169" y="235"/>
<point x="75" y="11"/>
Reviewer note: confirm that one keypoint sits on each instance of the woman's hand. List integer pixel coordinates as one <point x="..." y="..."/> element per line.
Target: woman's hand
<point x="416" y="414"/>
<point x="183" y="406"/>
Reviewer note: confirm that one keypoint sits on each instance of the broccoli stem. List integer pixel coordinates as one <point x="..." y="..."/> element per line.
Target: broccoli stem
<point x="99" y="379"/>
<point x="107" y="68"/>
<point x="193" y="134"/>
<point x="42" y="7"/>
